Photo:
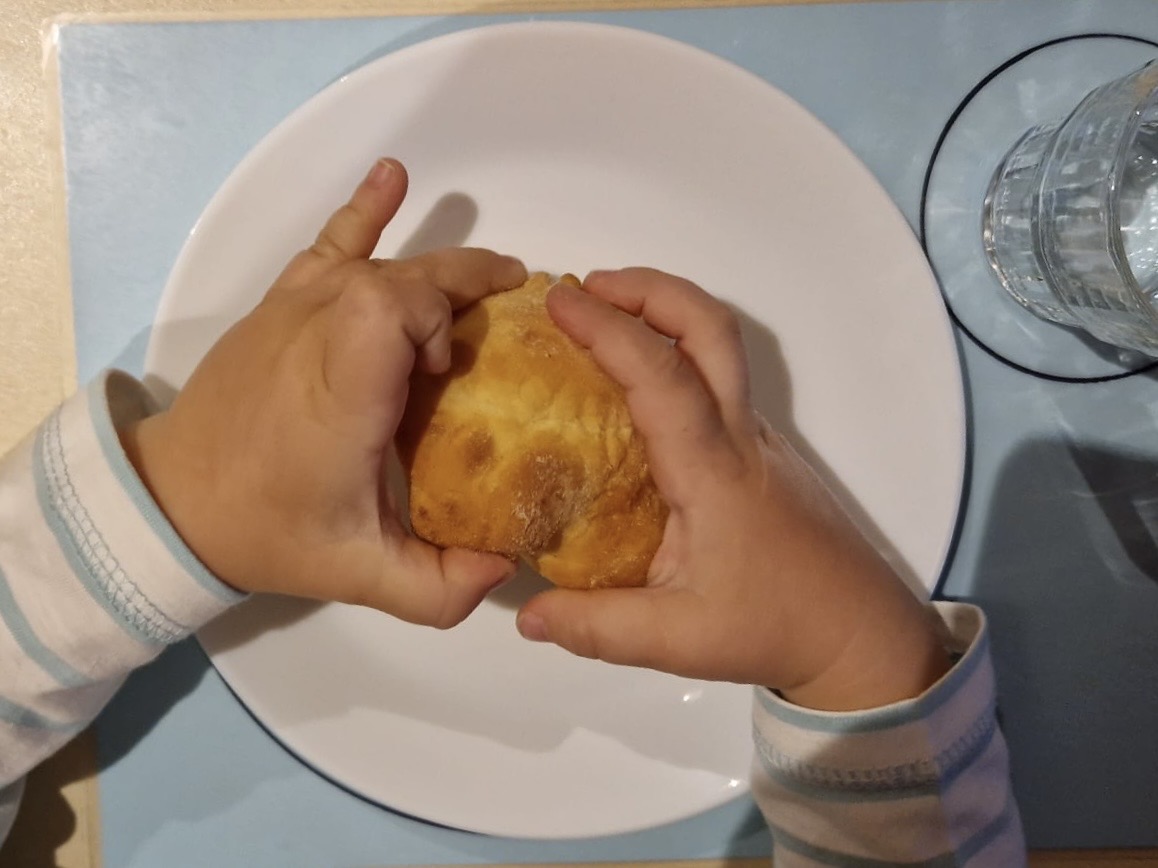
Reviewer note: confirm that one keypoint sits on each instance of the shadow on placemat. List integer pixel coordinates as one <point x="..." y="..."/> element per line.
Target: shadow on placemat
<point x="1072" y="631"/>
<point x="49" y="831"/>
<point x="149" y="694"/>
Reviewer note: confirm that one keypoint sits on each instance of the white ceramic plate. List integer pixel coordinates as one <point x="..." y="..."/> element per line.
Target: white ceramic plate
<point x="580" y="146"/>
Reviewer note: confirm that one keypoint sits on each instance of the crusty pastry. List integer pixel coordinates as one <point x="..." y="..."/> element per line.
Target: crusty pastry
<point x="525" y="448"/>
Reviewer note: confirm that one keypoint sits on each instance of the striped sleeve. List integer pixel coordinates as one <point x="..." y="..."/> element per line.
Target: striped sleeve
<point x="93" y="580"/>
<point x="923" y="782"/>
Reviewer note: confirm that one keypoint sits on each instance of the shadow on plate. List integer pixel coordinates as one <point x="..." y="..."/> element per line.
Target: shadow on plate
<point x="771" y="390"/>
<point x="261" y="615"/>
<point x="448" y="224"/>
<point x="526" y="584"/>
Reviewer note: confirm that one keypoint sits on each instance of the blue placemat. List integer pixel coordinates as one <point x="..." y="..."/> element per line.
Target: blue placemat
<point x="155" y="117"/>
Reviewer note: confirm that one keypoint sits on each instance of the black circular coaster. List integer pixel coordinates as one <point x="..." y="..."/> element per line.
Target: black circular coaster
<point x="1041" y="84"/>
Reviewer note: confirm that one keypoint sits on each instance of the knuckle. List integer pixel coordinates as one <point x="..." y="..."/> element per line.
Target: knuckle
<point x="359" y="595"/>
<point x="671" y="367"/>
<point x="408" y="271"/>
<point x="720" y="321"/>
<point x="661" y="652"/>
<point x="441" y="307"/>
<point x="360" y="282"/>
<point x="301" y="264"/>
<point x="324" y="248"/>
<point x="425" y="611"/>
<point x="643" y="272"/>
<point x="449" y="268"/>
<point x="731" y="465"/>
<point x="770" y="436"/>
<point x="364" y="291"/>
<point x="447" y="616"/>
<point x="327" y="242"/>
<point x="727" y="323"/>
<point x="580" y="639"/>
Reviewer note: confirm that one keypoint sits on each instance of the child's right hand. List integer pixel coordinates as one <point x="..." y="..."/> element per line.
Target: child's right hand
<point x="761" y="578"/>
<point x="271" y="461"/>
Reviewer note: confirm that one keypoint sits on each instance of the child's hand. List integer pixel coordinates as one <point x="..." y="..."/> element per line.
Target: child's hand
<point x="761" y="577"/>
<point x="271" y="461"/>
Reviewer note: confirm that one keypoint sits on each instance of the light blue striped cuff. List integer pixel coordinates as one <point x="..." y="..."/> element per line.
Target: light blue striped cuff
<point x="917" y="747"/>
<point x="65" y="464"/>
<point x="101" y="399"/>
<point x="926" y="776"/>
<point x="887" y="716"/>
<point x="1002" y="824"/>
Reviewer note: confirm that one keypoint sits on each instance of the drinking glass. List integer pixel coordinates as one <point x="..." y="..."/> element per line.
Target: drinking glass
<point x="1070" y="220"/>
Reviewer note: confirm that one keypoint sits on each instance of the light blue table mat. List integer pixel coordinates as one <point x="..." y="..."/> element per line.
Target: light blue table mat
<point x="155" y="117"/>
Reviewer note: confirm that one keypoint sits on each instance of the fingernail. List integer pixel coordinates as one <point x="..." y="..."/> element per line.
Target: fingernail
<point x="381" y="171"/>
<point x="531" y="627"/>
<point x="598" y="274"/>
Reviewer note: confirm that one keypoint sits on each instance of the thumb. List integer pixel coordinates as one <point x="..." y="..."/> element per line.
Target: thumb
<point x="628" y="626"/>
<point x="420" y="583"/>
<point x="353" y="230"/>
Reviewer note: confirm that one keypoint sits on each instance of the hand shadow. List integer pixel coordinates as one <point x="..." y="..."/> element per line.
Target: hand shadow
<point x="47" y="822"/>
<point x="448" y="224"/>
<point x="1125" y="488"/>
<point x="1067" y="574"/>
<point x="526" y="584"/>
<point x="771" y="392"/>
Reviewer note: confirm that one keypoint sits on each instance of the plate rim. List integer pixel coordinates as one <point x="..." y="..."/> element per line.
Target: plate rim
<point x="334" y="91"/>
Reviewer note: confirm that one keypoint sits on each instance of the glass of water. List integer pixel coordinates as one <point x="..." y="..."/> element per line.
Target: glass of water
<point x="1070" y="221"/>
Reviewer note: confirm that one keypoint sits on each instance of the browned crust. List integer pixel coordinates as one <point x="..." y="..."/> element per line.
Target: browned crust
<point x="525" y="448"/>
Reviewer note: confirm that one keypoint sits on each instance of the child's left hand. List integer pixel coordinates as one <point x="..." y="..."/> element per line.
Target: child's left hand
<point x="271" y="461"/>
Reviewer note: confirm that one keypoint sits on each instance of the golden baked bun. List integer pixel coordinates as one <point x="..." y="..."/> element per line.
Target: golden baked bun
<point x="525" y="448"/>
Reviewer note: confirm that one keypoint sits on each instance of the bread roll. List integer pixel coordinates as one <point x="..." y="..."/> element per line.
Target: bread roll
<point x="525" y="448"/>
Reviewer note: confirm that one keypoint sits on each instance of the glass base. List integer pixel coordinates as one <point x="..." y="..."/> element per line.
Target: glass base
<point x="1040" y="86"/>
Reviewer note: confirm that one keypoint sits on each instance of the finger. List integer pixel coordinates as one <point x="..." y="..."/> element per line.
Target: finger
<point x="668" y="401"/>
<point x="422" y="584"/>
<point x="375" y="336"/>
<point x="354" y="229"/>
<point x="704" y="328"/>
<point x="462" y="274"/>
<point x="627" y="626"/>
